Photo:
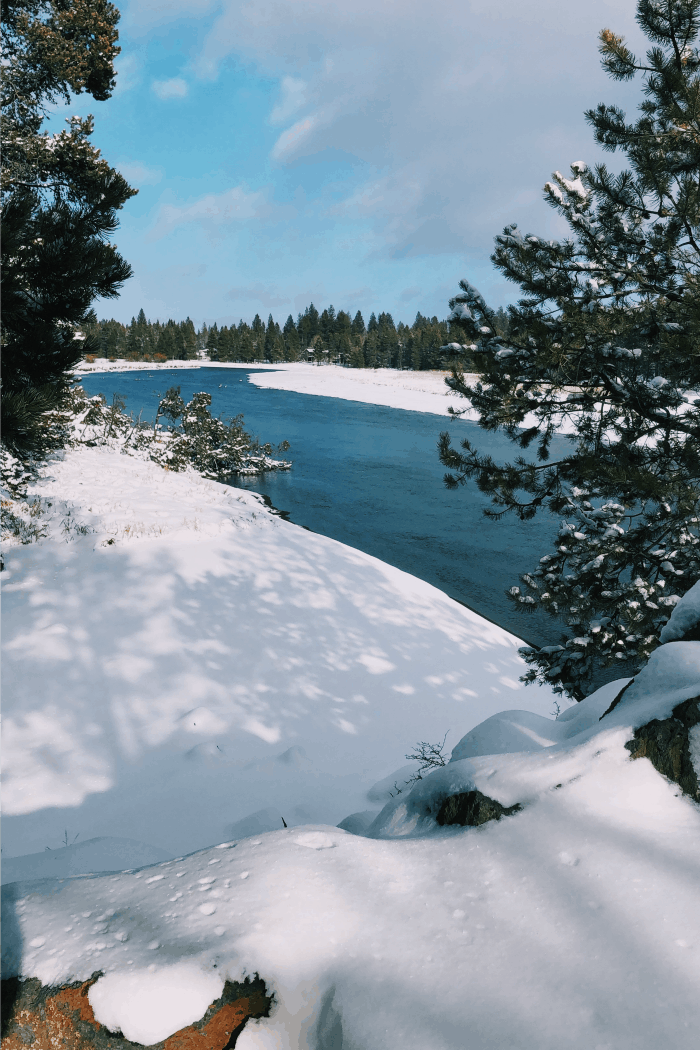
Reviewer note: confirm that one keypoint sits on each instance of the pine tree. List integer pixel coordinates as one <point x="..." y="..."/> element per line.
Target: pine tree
<point x="189" y="340"/>
<point x="60" y="200"/>
<point x="605" y="342"/>
<point x="343" y="330"/>
<point x="358" y="326"/>
<point x="388" y="345"/>
<point x="308" y="327"/>
<point x="274" y="347"/>
<point x="291" y="340"/>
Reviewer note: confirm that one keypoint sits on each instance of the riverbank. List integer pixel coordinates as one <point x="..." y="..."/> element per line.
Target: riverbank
<point x="183" y="669"/>
<point x="178" y="658"/>
<point x="412" y="391"/>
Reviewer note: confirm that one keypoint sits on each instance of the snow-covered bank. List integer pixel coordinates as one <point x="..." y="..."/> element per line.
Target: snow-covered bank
<point x="183" y="669"/>
<point x="178" y="659"/>
<point x="412" y="391"/>
<point x="575" y="923"/>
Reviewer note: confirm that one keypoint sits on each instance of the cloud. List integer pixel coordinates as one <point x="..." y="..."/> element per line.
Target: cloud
<point x="137" y="174"/>
<point x="292" y="98"/>
<point x="128" y="73"/>
<point x="237" y="205"/>
<point x="174" y="88"/>
<point x="454" y="108"/>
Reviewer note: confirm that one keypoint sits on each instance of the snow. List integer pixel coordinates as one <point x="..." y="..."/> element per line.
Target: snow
<point x="413" y="391"/>
<point x="107" y="853"/>
<point x="685" y="615"/>
<point x="184" y="671"/>
<point x="157" y="1003"/>
<point x="568" y="924"/>
<point x="177" y="660"/>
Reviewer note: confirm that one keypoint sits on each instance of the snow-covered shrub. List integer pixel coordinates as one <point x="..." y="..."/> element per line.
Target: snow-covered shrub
<point x="218" y="449"/>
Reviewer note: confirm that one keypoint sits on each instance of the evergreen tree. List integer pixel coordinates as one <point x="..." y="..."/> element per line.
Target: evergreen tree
<point x="134" y="342"/>
<point x="274" y="347"/>
<point x="246" y="346"/>
<point x="308" y="327"/>
<point x="291" y="340"/>
<point x="212" y="342"/>
<point x="343" y="330"/>
<point x="387" y="341"/>
<point x="60" y="200"/>
<point x="327" y="324"/>
<point x="165" y="346"/>
<point x="258" y="331"/>
<point x="358" y="326"/>
<point x="189" y="340"/>
<point x="605" y="340"/>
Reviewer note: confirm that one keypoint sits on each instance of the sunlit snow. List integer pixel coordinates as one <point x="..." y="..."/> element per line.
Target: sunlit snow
<point x="183" y="672"/>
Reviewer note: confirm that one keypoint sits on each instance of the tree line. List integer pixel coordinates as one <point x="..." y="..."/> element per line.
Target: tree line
<point x="328" y="336"/>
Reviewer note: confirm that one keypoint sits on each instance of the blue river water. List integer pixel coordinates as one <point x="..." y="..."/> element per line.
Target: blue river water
<point x="370" y="477"/>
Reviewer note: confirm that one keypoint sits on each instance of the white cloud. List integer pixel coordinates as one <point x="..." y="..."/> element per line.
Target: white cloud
<point x="176" y="87"/>
<point x="456" y="112"/>
<point x="292" y="140"/>
<point x="212" y="211"/>
<point x="455" y="107"/>
<point x="137" y="174"/>
<point x="128" y="73"/>
<point x="292" y="98"/>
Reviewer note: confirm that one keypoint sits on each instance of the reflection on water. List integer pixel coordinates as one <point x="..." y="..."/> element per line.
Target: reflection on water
<point x="370" y="477"/>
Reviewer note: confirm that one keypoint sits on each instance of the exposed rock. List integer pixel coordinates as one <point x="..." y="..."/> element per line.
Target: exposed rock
<point x="471" y="808"/>
<point x="37" y="1017"/>
<point x="668" y="746"/>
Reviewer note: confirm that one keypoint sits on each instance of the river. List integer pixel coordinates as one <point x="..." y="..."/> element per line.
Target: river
<point x="370" y="477"/>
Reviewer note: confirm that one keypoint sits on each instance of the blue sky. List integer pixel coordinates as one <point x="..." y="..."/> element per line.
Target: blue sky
<point x="363" y="154"/>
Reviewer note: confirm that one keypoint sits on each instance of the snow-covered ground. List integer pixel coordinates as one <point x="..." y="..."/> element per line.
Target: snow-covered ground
<point x="176" y="658"/>
<point x="574" y="923"/>
<point x="412" y="391"/>
<point x="184" y="671"/>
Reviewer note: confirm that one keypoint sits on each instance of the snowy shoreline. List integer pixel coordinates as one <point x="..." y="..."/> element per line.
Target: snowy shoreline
<point x="407" y="390"/>
<point x="298" y="642"/>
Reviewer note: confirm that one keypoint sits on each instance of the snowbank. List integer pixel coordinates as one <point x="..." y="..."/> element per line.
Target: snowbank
<point x="177" y="659"/>
<point x="574" y="923"/>
<point x="179" y="663"/>
<point x="413" y="391"/>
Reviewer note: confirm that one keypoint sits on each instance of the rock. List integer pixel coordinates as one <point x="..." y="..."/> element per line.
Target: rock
<point x="669" y="745"/>
<point x="36" y="1017"/>
<point x="471" y="808"/>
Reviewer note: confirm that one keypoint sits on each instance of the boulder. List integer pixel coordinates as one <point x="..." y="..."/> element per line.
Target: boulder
<point x="472" y="808"/>
<point x="36" y="1017"/>
<point x="670" y="744"/>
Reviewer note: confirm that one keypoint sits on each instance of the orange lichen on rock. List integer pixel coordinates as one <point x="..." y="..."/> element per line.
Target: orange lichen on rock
<point x="53" y="1021"/>
<point x="36" y="1017"/>
<point x="216" y="1034"/>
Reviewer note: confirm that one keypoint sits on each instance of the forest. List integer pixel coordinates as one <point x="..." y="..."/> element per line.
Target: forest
<point x="318" y="337"/>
